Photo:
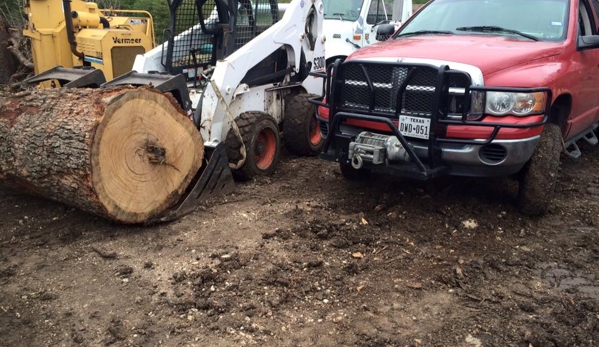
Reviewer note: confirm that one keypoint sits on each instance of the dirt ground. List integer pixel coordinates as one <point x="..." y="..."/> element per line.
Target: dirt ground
<point x="305" y="258"/>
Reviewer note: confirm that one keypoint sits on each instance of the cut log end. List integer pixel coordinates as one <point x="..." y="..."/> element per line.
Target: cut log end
<point x="143" y="159"/>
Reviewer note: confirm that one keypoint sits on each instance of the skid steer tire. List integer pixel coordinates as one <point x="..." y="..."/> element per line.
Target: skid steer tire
<point x="351" y="174"/>
<point x="261" y="138"/>
<point x="301" y="129"/>
<point x="539" y="176"/>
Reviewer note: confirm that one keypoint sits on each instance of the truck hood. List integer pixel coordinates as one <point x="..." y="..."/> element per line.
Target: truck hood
<point x="488" y="53"/>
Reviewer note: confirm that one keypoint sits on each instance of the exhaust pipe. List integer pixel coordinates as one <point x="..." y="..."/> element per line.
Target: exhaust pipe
<point x="70" y="29"/>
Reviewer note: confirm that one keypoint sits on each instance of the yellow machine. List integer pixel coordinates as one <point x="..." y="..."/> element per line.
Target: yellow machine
<point x="76" y="33"/>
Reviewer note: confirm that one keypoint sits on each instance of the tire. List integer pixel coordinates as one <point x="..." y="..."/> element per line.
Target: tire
<point x="262" y="143"/>
<point x="301" y="129"/>
<point x="351" y="174"/>
<point x="539" y="176"/>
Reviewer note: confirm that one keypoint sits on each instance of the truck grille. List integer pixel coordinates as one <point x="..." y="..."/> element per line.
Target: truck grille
<point x="387" y="81"/>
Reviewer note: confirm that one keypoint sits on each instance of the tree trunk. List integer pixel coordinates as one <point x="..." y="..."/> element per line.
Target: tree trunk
<point x="122" y="153"/>
<point x="8" y="65"/>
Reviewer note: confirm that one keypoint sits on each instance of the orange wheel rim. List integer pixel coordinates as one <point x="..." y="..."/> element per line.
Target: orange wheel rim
<point x="266" y="147"/>
<point x="315" y="136"/>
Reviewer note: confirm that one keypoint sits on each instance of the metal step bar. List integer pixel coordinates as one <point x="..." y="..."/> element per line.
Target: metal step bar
<point x="571" y="149"/>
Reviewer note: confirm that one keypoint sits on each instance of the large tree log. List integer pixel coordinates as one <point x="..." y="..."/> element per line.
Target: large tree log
<point x="122" y="153"/>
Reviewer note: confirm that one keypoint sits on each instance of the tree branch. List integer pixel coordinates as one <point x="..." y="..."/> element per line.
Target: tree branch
<point x="22" y="73"/>
<point x="19" y="85"/>
<point x="20" y="57"/>
<point x="15" y="49"/>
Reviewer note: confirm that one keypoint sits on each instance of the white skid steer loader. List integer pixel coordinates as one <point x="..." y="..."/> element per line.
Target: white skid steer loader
<point x="242" y="73"/>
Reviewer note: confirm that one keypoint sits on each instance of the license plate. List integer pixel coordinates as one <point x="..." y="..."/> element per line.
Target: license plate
<point x="414" y="127"/>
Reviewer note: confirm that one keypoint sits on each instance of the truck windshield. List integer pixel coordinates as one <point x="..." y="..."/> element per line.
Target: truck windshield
<point x="342" y="9"/>
<point x="533" y="20"/>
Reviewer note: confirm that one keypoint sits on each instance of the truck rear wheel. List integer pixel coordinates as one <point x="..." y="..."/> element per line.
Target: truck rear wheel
<point x="300" y="127"/>
<point x="260" y="135"/>
<point x="539" y="176"/>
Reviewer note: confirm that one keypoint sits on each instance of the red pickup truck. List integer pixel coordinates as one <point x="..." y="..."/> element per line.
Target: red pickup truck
<point x="469" y="88"/>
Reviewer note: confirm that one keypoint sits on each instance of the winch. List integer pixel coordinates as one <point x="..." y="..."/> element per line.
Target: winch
<point x="376" y="149"/>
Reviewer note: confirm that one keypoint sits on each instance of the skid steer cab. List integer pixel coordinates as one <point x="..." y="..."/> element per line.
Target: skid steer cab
<point x="242" y="73"/>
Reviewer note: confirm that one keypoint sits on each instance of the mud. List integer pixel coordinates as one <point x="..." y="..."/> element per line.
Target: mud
<point x="305" y="258"/>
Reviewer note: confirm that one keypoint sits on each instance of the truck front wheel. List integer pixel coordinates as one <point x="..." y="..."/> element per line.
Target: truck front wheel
<point x="539" y="176"/>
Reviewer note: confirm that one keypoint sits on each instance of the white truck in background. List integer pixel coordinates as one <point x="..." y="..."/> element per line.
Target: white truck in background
<point x="352" y="24"/>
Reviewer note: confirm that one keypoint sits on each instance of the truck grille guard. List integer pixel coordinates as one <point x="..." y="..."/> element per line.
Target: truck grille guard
<point x="335" y="81"/>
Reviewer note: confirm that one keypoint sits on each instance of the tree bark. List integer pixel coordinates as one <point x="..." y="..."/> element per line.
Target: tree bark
<point x="8" y="65"/>
<point x="122" y="153"/>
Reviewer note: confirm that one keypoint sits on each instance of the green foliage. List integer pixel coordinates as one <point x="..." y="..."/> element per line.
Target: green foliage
<point x="158" y="9"/>
<point x="12" y="12"/>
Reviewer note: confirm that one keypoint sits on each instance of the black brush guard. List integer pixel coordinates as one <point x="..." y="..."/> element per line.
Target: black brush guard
<point x="337" y="143"/>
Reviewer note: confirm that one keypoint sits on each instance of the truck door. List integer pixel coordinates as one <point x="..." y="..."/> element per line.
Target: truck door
<point x="585" y="105"/>
<point x="378" y="12"/>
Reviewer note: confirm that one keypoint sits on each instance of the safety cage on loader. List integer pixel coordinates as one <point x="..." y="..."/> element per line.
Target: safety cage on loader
<point x="377" y="94"/>
<point x="204" y="31"/>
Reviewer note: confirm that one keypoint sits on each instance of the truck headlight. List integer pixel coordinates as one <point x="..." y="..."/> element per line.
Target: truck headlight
<point x="519" y="104"/>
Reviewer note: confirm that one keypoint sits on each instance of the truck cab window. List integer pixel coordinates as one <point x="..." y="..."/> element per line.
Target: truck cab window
<point x="342" y="10"/>
<point x="377" y="12"/>
<point x="595" y="4"/>
<point x="584" y="20"/>
<point x="546" y="20"/>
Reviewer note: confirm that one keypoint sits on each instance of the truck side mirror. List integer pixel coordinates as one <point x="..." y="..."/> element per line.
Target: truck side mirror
<point x="384" y="32"/>
<point x="588" y="42"/>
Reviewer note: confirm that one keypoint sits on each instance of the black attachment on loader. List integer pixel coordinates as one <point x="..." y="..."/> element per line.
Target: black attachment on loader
<point x="213" y="179"/>
<point x="176" y="85"/>
<point x="81" y="77"/>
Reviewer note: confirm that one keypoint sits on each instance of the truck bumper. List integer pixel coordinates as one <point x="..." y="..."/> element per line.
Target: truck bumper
<point x="497" y="158"/>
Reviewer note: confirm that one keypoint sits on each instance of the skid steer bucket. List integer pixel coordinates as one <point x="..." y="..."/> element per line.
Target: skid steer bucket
<point x="71" y="78"/>
<point x="174" y="84"/>
<point x="214" y="178"/>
